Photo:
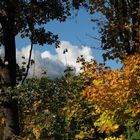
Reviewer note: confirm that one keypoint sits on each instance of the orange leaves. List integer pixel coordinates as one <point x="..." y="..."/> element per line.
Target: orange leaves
<point x="106" y="87"/>
<point x="114" y="82"/>
<point x="36" y="132"/>
<point x="112" y="90"/>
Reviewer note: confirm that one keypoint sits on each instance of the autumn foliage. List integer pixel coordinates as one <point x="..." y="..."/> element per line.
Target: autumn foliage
<point x="114" y="93"/>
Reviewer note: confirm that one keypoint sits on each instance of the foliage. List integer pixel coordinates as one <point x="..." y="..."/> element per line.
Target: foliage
<point x="100" y="103"/>
<point x="119" y="26"/>
<point x="29" y="17"/>
<point x="53" y="109"/>
<point x="115" y="95"/>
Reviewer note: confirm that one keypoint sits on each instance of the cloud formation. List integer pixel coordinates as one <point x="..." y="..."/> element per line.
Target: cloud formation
<point x="54" y="64"/>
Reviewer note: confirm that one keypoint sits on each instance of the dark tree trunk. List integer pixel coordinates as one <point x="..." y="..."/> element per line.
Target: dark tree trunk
<point x="10" y="50"/>
<point x="10" y="107"/>
<point x="129" y="37"/>
<point x="11" y="128"/>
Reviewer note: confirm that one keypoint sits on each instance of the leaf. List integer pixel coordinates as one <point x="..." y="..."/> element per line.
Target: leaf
<point x="36" y="132"/>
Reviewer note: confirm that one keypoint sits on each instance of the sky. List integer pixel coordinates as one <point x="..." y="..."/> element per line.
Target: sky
<point x="73" y="37"/>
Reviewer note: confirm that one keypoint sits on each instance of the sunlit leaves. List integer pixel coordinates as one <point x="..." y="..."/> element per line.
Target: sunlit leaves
<point x="114" y="138"/>
<point x="114" y="93"/>
<point x="99" y="103"/>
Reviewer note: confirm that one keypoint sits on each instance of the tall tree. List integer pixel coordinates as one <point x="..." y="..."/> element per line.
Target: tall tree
<point x="120" y="30"/>
<point x="26" y="18"/>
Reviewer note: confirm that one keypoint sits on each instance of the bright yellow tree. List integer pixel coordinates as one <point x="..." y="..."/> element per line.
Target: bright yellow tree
<point x="114" y="93"/>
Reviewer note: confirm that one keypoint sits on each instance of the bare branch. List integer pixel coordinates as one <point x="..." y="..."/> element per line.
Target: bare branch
<point x="28" y="65"/>
<point x="93" y="37"/>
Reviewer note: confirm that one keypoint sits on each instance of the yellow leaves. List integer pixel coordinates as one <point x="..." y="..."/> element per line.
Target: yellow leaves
<point x="2" y="120"/>
<point x="116" y="126"/>
<point x="113" y="90"/>
<point x="36" y="104"/>
<point x="116" y="83"/>
<point x="97" y="82"/>
<point x="112" y="26"/>
<point x="127" y="26"/>
<point x="36" y="132"/>
<point x="132" y="63"/>
<point x="105" y="123"/>
<point x="81" y="135"/>
<point x="84" y="134"/>
<point x="114" y="138"/>
<point x="98" y="110"/>
<point x="111" y="128"/>
<point x="136" y="109"/>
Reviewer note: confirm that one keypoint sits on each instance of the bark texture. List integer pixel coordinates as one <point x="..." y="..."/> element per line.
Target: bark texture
<point x="10" y="107"/>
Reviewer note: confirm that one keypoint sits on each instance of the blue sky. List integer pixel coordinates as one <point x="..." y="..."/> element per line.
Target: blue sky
<point x="75" y="27"/>
<point x="73" y="31"/>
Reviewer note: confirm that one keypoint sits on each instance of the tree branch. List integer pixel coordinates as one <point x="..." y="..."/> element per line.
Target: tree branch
<point x="28" y="65"/>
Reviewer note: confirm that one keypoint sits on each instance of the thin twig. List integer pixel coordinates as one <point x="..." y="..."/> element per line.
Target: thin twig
<point x="96" y="48"/>
<point x="93" y="37"/>
<point x="28" y="65"/>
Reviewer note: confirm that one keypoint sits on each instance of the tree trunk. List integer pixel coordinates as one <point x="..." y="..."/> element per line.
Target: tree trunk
<point x="10" y="108"/>
<point x="11" y="128"/>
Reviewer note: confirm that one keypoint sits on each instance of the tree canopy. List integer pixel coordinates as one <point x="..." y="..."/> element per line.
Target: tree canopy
<point x="27" y="17"/>
<point x="119" y="26"/>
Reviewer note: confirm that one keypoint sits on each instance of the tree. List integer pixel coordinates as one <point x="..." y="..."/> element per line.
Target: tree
<point x="26" y="18"/>
<point x="120" y="27"/>
<point x="115" y="96"/>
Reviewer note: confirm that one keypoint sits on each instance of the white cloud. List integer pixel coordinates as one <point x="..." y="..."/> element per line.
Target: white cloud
<point x="54" y="64"/>
<point x="70" y="57"/>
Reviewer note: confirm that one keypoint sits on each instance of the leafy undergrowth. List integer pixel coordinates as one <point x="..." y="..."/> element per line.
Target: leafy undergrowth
<point x="99" y="104"/>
